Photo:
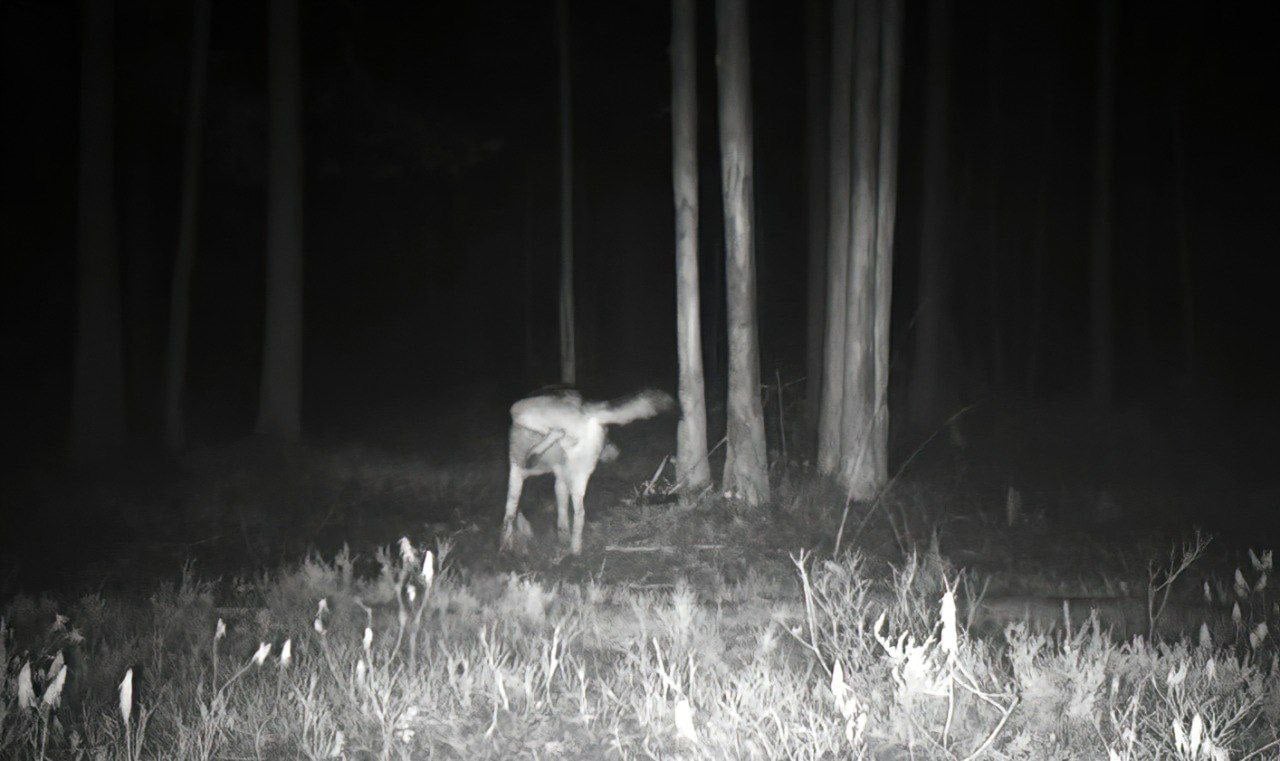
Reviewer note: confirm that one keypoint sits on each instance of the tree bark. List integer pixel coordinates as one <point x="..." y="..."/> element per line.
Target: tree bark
<point x="838" y="221"/>
<point x="996" y="223"/>
<point x="188" y="227"/>
<point x="98" y="395"/>
<point x="928" y="378"/>
<point x="886" y="217"/>
<point x="817" y="50"/>
<point x="746" y="462"/>
<point x="692" y="468"/>
<point x="568" y="344"/>
<point x="857" y="467"/>
<point x="1182" y="232"/>
<point x="1100" y="291"/>
<point x="280" y="393"/>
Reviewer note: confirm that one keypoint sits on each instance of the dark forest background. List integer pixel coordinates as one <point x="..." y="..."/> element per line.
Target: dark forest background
<point x="431" y="206"/>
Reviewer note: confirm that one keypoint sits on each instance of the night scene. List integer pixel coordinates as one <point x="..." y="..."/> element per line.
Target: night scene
<point x="639" y="379"/>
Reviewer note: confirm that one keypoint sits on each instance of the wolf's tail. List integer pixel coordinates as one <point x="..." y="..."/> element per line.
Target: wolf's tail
<point x="646" y="404"/>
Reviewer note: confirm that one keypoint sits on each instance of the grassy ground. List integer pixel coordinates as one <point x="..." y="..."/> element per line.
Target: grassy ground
<point x="957" y="622"/>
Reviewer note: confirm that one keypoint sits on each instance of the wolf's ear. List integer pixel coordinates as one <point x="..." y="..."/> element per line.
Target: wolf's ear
<point x="610" y="452"/>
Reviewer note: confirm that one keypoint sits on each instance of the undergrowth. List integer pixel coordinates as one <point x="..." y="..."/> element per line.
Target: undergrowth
<point x="430" y="658"/>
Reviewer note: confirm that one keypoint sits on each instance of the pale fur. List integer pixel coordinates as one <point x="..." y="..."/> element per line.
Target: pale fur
<point x="560" y="434"/>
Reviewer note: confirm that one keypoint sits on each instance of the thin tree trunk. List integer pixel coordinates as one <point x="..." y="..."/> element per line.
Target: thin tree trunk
<point x="692" y="468"/>
<point x="1101" y="307"/>
<point x="996" y="225"/>
<point x="857" y="467"/>
<point x="529" y="291"/>
<point x="568" y="344"/>
<point x="1182" y="231"/>
<point x="838" y="221"/>
<point x="926" y="396"/>
<point x="1040" y="246"/>
<point x="138" y="245"/>
<point x="188" y="227"/>
<point x="98" y="395"/>
<point x="886" y="217"/>
<point x="746" y="468"/>
<point x="817" y="48"/>
<point x="280" y="393"/>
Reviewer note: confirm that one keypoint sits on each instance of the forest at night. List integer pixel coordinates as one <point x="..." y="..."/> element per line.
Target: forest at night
<point x="886" y="302"/>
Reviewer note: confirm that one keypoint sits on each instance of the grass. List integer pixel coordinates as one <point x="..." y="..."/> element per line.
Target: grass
<point x="694" y="629"/>
<point x="432" y="657"/>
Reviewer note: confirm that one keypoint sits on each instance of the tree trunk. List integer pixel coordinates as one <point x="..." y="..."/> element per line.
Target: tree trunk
<point x="692" y="468"/>
<point x="996" y="223"/>
<point x="529" y="291"/>
<point x="188" y="227"/>
<point x="280" y="393"/>
<point x="98" y="396"/>
<point x="1040" y="244"/>
<point x="857" y="466"/>
<point x="817" y="48"/>
<point x="838" y="221"/>
<point x="928" y="397"/>
<point x="1182" y="231"/>
<point x="568" y="344"/>
<point x="886" y="217"/>
<point x="1100" y="290"/>
<point x="746" y="463"/>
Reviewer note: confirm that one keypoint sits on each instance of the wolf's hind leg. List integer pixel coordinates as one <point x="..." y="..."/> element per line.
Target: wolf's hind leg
<point x="562" y="505"/>
<point x="515" y="484"/>
<point x="578" y="492"/>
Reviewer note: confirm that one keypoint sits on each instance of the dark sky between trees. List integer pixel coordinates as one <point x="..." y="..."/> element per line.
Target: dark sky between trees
<point x="431" y="200"/>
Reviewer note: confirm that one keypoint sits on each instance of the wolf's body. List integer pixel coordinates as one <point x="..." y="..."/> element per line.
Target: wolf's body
<point x="559" y="433"/>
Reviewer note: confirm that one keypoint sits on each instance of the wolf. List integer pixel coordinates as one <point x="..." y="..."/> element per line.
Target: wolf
<point x="557" y="432"/>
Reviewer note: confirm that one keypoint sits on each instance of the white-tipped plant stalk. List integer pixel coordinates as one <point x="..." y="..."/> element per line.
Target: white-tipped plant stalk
<point x="683" y="715"/>
<point x="26" y="694"/>
<point x="850" y="707"/>
<point x="407" y="553"/>
<point x="321" y="609"/>
<point x="260" y="655"/>
<point x="219" y="632"/>
<point x="427" y="576"/>
<point x="126" y="710"/>
<point x="50" y="700"/>
<point x="53" y="693"/>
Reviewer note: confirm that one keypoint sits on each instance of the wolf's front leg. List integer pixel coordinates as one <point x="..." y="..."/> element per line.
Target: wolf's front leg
<point x="515" y="484"/>
<point x="578" y="491"/>
<point x="562" y="506"/>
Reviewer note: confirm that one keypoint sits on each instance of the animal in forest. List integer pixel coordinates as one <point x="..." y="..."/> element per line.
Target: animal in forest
<point x="557" y="432"/>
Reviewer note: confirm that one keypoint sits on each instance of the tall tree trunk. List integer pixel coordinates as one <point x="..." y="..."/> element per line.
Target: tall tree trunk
<point x="996" y="224"/>
<point x="838" y="221"/>
<point x="857" y="467"/>
<point x="886" y="217"/>
<point x="188" y="227"/>
<point x="1040" y="243"/>
<point x="1182" y="231"/>
<point x="280" y="393"/>
<point x="817" y="47"/>
<point x="1101" y="310"/>
<point x="692" y="468"/>
<point x="568" y="344"/>
<point x="927" y="396"/>
<point x="139" y="245"/>
<point x="98" y="401"/>
<point x="746" y="468"/>
<point x="529" y="293"/>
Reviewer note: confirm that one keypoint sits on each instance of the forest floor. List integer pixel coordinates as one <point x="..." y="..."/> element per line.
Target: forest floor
<point x="683" y="618"/>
